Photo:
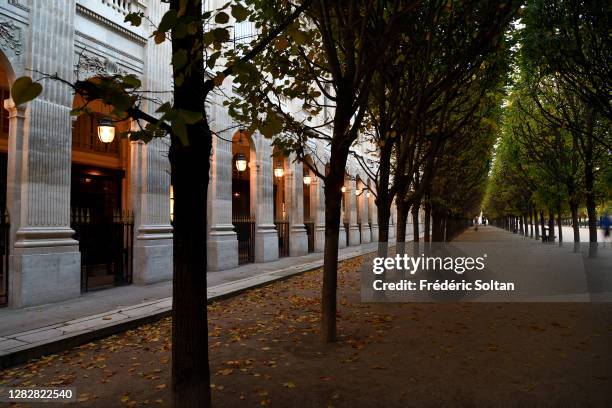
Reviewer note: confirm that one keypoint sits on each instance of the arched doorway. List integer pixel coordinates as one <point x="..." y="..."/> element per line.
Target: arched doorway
<point x="242" y="215"/>
<point x="99" y="189"/>
<point x="281" y="220"/>
<point x="6" y="78"/>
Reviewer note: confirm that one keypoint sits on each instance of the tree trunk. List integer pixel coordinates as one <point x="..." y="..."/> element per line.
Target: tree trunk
<point x="589" y="180"/>
<point x="189" y="174"/>
<point x="542" y="225"/>
<point x="415" y="222"/>
<point x="384" y="212"/>
<point x="427" y="223"/>
<point x="536" y="225"/>
<point x="402" y="217"/>
<point x="333" y="197"/>
<point x="530" y="222"/>
<point x="559" y="224"/>
<point x="551" y="225"/>
<point x="383" y="199"/>
<point x="437" y="225"/>
<point x="575" y="227"/>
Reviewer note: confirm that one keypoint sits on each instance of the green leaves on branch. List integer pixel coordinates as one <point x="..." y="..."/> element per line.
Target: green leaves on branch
<point x="135" y="19"/>
<point x="273" y="125"/>
<point x="239" y="12"/>
<point x="24" y="90"/>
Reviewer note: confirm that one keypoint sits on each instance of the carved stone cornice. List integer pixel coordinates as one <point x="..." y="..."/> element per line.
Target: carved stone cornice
<point x="84" y="11"/>
<point x="10" y="37"/>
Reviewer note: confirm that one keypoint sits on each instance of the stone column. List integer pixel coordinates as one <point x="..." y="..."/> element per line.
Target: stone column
<point x="294" y="202"/>
<point x="317" y="209"/>
<point x="343" y="218"/>
<point x="352" y="213"/>
<point x="222" y="244"/>
<point x="362" y="201"/>
<point x="373" y="212"/>
<point x="262" y="197"/>
<point x="45" y="263"/>
<point x="150" y="175"/>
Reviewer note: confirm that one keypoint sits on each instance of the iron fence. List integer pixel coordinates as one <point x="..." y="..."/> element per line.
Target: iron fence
<point x="5" y="228"/>
<point x="310" y="231"/>
<point x="245" y="231"/>
<point x="346" y="231"/>
<point x="106" y="247"/>
<point x="282" y="228"/>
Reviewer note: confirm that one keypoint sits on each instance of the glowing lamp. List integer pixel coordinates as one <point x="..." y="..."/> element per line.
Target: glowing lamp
<point x="278" y="171"/>
<point x="241" y="162"/>
<point x="106" y="130"/>
<point x="307" y="178"/>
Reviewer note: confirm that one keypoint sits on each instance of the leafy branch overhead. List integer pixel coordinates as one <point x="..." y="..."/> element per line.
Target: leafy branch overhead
<point x="222" y="56"/>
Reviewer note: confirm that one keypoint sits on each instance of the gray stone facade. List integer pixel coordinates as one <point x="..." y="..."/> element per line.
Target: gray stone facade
<point x="85" y="38"/>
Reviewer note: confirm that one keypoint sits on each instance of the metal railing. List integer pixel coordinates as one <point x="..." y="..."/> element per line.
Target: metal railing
<point x="282" y="228"/>
<point x="106" y="248"/>
<point x="346" y="230"/>
<point x="245" y="231"/>
<point x="5" y="228"/>
<point x="310" y="231"/>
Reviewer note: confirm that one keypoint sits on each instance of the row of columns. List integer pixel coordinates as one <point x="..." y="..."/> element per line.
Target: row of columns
<point x="223" y="245"/>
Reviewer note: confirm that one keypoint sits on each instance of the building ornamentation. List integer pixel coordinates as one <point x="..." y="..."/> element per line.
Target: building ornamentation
<point x="92" y="65"/>
<point x="17" y="4"/>
<point x="10" y="36"/>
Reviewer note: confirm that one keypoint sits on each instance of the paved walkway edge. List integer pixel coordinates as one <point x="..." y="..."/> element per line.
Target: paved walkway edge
<point x="20" y="347"/>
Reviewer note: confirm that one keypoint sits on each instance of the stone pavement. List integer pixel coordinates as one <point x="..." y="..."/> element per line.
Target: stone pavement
<point x="31" y="332"/>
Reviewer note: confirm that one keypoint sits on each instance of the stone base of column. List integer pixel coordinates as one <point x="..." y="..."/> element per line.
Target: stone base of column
<point x="266" y="243"/>
<point x="342" y="237"/>
<point x="44" y="270"/>
<point x="319" y="238"/>
<point x="366" y="235"/>
<point x="374" y="232"/>
<point x="222" y="248"/>
<point x="298" y="240"/>
<point x="153" y="254"/>
<point x="354" y="235"/>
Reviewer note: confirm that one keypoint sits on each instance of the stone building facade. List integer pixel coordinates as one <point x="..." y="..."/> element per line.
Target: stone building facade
<point x="81" y="215"/>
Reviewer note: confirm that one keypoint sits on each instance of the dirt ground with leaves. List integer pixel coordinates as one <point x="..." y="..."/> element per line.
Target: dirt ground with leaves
<point x="265" y="350"/>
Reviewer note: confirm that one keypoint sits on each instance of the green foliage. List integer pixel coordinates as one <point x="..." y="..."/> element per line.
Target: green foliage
<point x="24" y="90"/>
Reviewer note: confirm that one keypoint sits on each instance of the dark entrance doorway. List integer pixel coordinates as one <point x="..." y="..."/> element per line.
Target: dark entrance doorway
<point x="104" y="231"/>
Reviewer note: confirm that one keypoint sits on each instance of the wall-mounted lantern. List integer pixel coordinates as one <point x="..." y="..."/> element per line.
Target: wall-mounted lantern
<point x="307" y="178"/>
<point x="278" y="171"/>
<point x="106" y="130"/>
<point x="241" y="162"/>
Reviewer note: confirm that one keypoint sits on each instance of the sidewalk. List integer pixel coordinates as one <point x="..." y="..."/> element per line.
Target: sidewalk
<point x="31" y="332"/>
